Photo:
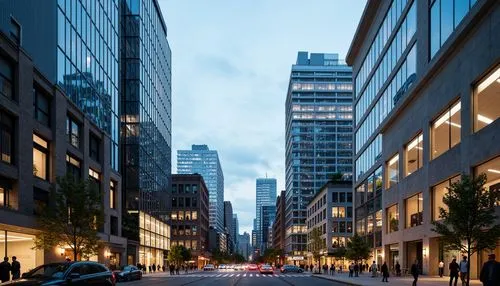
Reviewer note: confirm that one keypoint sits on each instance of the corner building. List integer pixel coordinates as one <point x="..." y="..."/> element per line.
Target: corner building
<point x="435" y="116"/>
<point x="146" y="129"/>
<point x="318" y="138"/>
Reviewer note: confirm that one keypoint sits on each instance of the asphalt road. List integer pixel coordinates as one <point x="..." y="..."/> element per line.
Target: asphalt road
<point x="236" y="278"/>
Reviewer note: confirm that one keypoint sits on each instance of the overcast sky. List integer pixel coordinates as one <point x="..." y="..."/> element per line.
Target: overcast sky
<point x="231" y="63"/>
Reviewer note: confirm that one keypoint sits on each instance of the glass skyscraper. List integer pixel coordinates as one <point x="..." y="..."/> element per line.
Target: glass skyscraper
<point x="318" y="136"/>
<point x="145" y="121"/>
<point x="200" y="159"/>
<point x="265" y="191"/>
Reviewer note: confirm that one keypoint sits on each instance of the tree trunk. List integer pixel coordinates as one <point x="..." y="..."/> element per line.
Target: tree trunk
<point x="468" y="264"/>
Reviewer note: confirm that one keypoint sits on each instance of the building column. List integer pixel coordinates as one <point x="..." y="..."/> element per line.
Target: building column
<point x="425" y="256"/>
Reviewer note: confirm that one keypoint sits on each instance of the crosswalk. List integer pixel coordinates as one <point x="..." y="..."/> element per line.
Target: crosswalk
<point x="239" y="275"/>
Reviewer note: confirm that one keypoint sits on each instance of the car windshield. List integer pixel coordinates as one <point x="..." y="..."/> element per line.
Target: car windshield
<point x="127" y="268"/>
<point x="48" y="271"/>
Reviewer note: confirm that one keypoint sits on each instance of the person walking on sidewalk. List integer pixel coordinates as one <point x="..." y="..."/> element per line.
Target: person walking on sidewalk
<point x="373" y="269"/>
<point x="385" y="272"/>
<point x="332" y="269"/>
<point x="490" y="273"/>
<point x="454" y="268"/>
<point x="5" y="268"/>
<point x="16" y="268"/>
<point x="398" y="268"/>
<point x="351" y="269"/>
<point x="356" y="270"/>
<point x="415" y="271"/>
<point x="441" y="268"/>
<point x="463" y="270"/>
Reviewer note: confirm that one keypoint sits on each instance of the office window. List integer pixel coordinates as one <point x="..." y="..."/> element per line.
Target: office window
<point x="73" y="166"/>
<point x="112" y="195"/>
<point x="335" y="197"/>
<point x="73" y="132"/>
<point x="15" y="31"/>
<point x="6" y="78"/>
<point x="194" y="215"/>
<point x="41" y="106"/>
<point x="414" y="210"/>
<point x="369" y="228"/>
<point x="445" y="131"/>
<point x="40" y="157"/>
<point x="414" y="155"/>
<point x="95" y="178"/>
<point x="392" y="218"/>
<point x="369" y="192"/>
<point x="5" y="190"/>
<point x="349" y="212"/>
<point x="338" y="212"/>
<point x="438" y="193"/>
<point x="487" y="100"/>
<point x="6" y="137"/>
<point x="492" y="171"/>
<point x="114" y="225"/>
<point x="94" y="144"/>
<point x="378" y="221"/>
<point x="393" y="171"/>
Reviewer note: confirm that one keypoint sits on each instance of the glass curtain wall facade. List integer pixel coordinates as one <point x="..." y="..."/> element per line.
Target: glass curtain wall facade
<point x="145" y="113"/>
<point x="318" y="136"/>
<point x="87" y="61"/>
<point x="265" y="196"/>
<point x="386" y="73"/>
<point x="200" y="159"/>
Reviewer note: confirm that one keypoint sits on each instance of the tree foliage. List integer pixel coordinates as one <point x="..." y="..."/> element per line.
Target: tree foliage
<point x="357" y="249"/>
<point x="176" y="255"/>
<point x="220" y="257"/>
<point x="73" y="218"/>
<point x="339" y="252"/>
<point x="468" y="223"/>
<point x="316" y="243"/>
<point x="271" y="255"/>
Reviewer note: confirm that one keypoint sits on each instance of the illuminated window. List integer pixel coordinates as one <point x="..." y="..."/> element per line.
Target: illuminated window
<point x="487" y="100"/>
<point x="40" y="157"/>
<point x="6" y="136"/>
<point x="94" y="177"/>
<point x="194" y="215"/>
<point x="492" y="171"/>
<point x="112" y="194"/>
<point x="338" y="211"/>
<point x="414" y="210"/>
<point x="438" y="193"/>
<point x="393" y="171"/>
<point x="414" y="157"/>
<point x="73" y="166"/>
<point x="446" y="131"/>
<point x="392" y="218"/>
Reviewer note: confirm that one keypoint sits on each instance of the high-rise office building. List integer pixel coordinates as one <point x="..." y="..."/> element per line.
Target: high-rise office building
<point x="228" y="225"/>
<point x="200" y="159"/>
<point x="236" y="230"/>
<point x="72" y="81"/>
<point x="430" y="93"/>
<point x="244" y="246"/>
<point x="145" y="126"/>
<point x="267" y="216"/>
<point x="265" y="192"/>
<point x="318" y="136"/>
<point x="278" y="224"/>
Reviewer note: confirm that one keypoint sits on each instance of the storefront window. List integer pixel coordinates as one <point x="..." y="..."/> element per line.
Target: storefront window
<point x="492" y="171"/>
<point x="392" y="219"/>
<point x="446" y="131"/>
<point x="20" y="245"/>
<point x="438" y="193"/>
<point x="40" y="157"/>
<point x="487" y="101"/>
<point x="414" y="210"/>
<point x="393" y="171"/>
<point x="414" y="158"/>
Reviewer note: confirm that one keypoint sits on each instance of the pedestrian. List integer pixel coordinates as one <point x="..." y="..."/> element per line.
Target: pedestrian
<point x="325" y="269"/>
<point x="177" y="270"/>
<point x="441" y="268"/>
<point x="149" y="268"/>
<point x="385" y="272"/>
<point x="332" y="269"/>
<point x="490" y="273"/>
<point x="454" y="268"/>
<point x="186" y="269"/>
<point x="16" y="268"/>
<point x="414" y="271"/>
<point x="154" y="267"/>
<point x="398" y="269"/>
<point x="373" y="269"/>
<point x="340" y="268"/>
<point x="360" y="268"/>
<point x="171" y="268"/>
<point x="5" y="268"/>
<point x="311" y="267"/>
<point x="356" y="270"/>
<point x="463" y="270"/>
<point x="351" y="269"/>
<point x="163" y="268"/>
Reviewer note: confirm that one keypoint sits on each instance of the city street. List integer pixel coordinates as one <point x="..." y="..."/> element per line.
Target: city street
<point x="232" y="278"/>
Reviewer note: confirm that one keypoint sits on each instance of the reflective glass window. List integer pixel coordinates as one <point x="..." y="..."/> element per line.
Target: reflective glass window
<point x="487" y="100"/>
<point x="445" y="131"/>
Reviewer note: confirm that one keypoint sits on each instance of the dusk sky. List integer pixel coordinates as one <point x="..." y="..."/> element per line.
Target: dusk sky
<point x="231" y="62"/>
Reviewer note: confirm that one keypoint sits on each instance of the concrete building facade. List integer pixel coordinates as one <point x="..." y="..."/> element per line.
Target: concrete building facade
<point x="439" y="120"/>
<point x="331" y="210"/>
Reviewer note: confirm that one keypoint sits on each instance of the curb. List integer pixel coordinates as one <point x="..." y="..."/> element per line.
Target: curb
<point x="336" y="280"/>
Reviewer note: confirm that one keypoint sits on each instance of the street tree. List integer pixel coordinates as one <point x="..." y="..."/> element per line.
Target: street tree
<point x="316" y="244"/>
<point x="357" y="249"/>
<point x="72" y="218"/>
<point x="339" y="253"/>
<point x="176" y="255"/>
<point x="468" y="223"/>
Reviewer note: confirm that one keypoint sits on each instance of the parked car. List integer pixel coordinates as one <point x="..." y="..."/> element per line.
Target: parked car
<point x="64" y="273"/>
<point x="266" y="268"/>
<point x="222" y="266"/>
<point x="291" y="268"/>
<point x="252" y="267"/>
<point x="128" y="273"/>
<point x="209" y="267"/>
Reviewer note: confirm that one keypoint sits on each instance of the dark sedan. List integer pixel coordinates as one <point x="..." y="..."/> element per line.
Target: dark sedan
<point x="128" y="273"/>
<point x="291" y="268"/>
<point x="67" y="273"/>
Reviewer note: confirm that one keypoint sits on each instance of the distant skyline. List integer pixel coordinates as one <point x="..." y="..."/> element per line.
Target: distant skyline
<point x="231" y="62"/>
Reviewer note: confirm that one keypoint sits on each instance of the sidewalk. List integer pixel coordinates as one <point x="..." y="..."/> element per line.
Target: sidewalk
<point x="366" y="279"/>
